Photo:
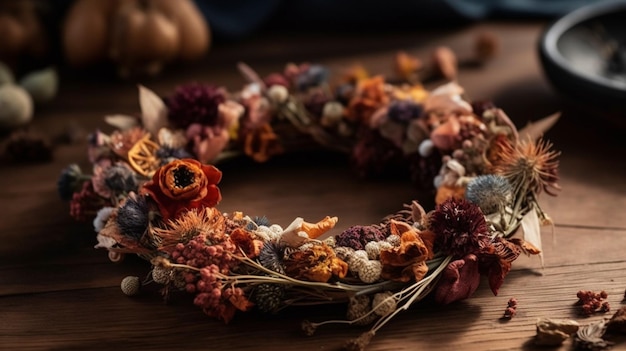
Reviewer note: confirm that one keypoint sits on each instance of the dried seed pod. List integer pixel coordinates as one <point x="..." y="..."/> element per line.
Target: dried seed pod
<point x="130" y="285"/>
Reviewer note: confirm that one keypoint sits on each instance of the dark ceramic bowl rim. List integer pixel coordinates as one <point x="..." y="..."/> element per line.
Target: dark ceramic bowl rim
<point x="558" y="28"/>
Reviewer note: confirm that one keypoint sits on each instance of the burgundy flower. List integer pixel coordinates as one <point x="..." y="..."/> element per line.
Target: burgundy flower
<point x="358" y="236"/>
<point x="460" y="227"/>
<point x="459" y="280"/>
<point x="195" y="103"/>
<point x="495" y="261"/>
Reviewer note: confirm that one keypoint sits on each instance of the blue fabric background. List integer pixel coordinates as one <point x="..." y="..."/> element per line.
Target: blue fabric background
<point x="237" y="18"/>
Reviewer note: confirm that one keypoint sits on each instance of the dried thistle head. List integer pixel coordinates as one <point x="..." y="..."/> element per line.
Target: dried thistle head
<point x="490" y="192"/>
<point x="529" y="164"/>
<point x="207" y="221"/>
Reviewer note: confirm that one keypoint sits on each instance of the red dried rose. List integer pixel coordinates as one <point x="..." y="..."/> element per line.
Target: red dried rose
<point x="183" y="185"/>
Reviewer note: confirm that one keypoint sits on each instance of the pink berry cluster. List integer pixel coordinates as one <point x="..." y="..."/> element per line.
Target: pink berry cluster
<point x="511" y="308"/>
<point x="197" y="253"/>
<point x="592" y="302"/>
<point x="211" y="295"/>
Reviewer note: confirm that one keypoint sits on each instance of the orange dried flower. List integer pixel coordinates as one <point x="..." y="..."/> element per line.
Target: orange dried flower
<point x="407" y="66"/>
<point x="262" y="143"/>
<point x="245" y="241"/>
<point x="317" y="263"/>
<point x="369" y="96"/>
<point x="208" y="221"/>
<point x="407" y="261"/>
<point x="183" y="185"/>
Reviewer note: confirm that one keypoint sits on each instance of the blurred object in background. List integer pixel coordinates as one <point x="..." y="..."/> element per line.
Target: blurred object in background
<point x="240" y="18"/>
<point x="584" y="56"/>
<point x="139" y="36"/>
<point x="24" y="39"/>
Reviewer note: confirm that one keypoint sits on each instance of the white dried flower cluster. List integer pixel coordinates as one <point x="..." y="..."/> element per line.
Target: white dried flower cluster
<point x="384" y="303"/>
<point x="360" y="265"/>
<point x="271" y="233"/>
<point x="344" y="253"/>
<point x="373" y="248"/>
<point x="358" y="309"/>
<point x="330" y="241"/>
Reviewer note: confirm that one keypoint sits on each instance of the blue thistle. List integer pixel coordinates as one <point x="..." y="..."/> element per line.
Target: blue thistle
<point x="133" y="218"/>
<point x="120" y="179"/>
<point x="270" y="257"/>
<point x="257" y="222"/>
<point x="70" y="181"/>
<point x="490" y="192"/>
<point x="403" y="111"/>
<point x="312" y="77"/>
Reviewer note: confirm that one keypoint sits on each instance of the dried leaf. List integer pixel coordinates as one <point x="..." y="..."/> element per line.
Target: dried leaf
<point x="250" y="75"/>
<point x="534" y="130"/>
<point x="527" y="248"/>
<point x="153" y="110"/>
<point x="292" y="236"/>
<point x="122" y="122"/>
<point x="532" y="231"/>
<point x="315" y="230"/>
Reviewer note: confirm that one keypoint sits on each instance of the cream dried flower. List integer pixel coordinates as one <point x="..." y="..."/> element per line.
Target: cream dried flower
<point x="370" y="271"/>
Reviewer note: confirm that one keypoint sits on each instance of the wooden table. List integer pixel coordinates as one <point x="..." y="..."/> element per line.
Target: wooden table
<point x="58" y="293"/>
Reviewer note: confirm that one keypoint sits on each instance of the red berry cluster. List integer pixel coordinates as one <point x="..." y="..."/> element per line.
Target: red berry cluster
<point x="511" y="308"/>
<point x="592" y="302"/>
<point x="210" y="293"/>
<point x="197" y="253"/>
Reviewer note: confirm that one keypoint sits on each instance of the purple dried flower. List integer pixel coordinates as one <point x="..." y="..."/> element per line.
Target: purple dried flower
<point x="195" y="103"/>
<point x="403" y="111"/>
<point x="86" y="203"/>
<point x="460" y="227"/>
<point x="356" y="237"/>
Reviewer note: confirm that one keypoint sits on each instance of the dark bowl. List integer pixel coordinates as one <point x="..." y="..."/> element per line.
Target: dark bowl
<point x="584" y="54"/>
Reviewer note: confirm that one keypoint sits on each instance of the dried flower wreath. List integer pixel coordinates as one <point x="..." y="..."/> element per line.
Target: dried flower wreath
<point x="153" y="193"/>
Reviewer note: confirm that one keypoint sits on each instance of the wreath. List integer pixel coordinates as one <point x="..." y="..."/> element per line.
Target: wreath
<point x="153" y="192"/>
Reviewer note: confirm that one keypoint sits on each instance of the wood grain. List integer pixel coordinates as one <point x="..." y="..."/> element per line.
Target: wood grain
<point x="58" y="293"/>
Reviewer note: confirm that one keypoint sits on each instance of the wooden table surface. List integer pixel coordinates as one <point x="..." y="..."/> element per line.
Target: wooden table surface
<point x="58" y="293"/>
